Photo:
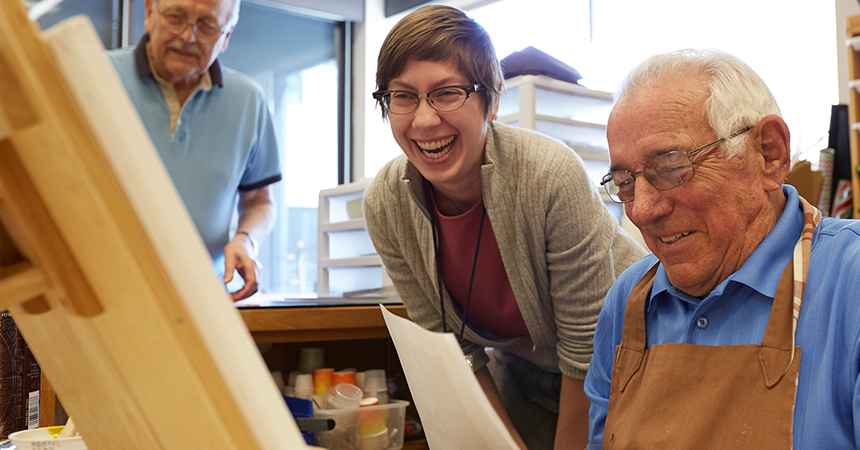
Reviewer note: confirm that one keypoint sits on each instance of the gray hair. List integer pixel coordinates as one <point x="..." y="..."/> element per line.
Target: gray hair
<point x="234" y="13"/>
<point x="738" y="99"/>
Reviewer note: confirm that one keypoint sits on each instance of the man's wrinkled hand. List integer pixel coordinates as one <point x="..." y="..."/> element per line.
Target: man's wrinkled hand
<point x="238" y="257"/>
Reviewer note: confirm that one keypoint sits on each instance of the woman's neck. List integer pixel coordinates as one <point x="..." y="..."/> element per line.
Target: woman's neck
<point x="453" y="202"/>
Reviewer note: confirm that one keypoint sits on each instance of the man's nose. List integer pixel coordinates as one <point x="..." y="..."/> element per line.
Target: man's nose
<point x="189" y="34"/>
<point x="648" y="203"/>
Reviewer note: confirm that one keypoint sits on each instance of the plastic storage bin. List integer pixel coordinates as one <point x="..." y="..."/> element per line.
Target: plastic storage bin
<point x="369" y="428"/>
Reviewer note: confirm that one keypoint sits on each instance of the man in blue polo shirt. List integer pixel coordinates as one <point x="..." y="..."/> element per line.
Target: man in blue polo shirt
<point x="211" y="126"/>
<point x="742" y="329"/>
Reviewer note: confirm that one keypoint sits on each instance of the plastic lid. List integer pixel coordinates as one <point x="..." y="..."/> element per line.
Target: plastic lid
<point x="343" y="396"/>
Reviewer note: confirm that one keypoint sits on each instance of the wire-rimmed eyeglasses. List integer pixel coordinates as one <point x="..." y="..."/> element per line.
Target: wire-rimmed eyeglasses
<point x="445" y="99"/>
<point x="177" y="22"/>
<point x="664" y="172"/>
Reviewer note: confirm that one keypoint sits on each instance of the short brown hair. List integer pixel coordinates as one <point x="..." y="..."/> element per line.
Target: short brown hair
<point x="441" y="33"/>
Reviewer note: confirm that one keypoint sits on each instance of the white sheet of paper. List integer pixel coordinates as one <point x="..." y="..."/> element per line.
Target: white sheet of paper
<point x="454" y="411"/>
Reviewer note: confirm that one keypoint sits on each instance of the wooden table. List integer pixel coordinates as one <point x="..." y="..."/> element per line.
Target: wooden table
<point x="317" y="323"/>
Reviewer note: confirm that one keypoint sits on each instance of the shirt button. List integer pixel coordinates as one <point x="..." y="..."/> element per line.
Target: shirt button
<point x="702" y="322"/>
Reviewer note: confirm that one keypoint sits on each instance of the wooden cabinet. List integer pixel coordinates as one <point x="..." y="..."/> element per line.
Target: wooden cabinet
<point x="352" y="336"/>
<point x="854" y="108"/>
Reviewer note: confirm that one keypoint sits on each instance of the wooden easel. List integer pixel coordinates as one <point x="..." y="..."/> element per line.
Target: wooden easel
<point x="102" y="269"/>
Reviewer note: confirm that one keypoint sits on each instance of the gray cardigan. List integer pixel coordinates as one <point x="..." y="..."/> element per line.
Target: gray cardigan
<point x="560" y="246"/>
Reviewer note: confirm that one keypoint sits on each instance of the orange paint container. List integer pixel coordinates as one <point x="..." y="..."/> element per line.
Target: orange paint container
<point x="343" y="377"/>
<point x="322" y="380"/>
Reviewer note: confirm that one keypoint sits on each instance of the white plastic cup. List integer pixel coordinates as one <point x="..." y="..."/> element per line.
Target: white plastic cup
<point x="344" y="396"/>
<point x="291" y="378"/>
<point x="42" y="438"/>
<point x="381" y="396"/>
<point x="279" y="380"/>
<point x="359" y="380"/>
<point x="304" y="387"/>
<point x="311" y="358"/>
<point x="375" y="385"/>
<point x="376" y="441"/>
<point x="374" y="380"/>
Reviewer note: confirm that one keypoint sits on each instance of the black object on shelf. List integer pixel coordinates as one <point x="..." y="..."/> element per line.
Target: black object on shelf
<point x="839" y="141"/>
<point x="531" y="61"/>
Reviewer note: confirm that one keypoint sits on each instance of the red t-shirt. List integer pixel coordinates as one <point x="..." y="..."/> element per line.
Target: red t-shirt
<point x="493" y="306"/>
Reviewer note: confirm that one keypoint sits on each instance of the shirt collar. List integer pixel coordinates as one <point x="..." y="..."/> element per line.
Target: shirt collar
<point x="141" y="62"/>
<point x="776" y="249"/>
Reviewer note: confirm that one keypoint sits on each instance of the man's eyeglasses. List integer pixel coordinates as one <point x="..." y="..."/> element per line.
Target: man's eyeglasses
<point x="664" y="172"/>
<point x="205" y="30"/>
<point x="445" y="99"/>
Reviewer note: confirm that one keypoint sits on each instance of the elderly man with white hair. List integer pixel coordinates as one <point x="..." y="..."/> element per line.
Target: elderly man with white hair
<point x="742" y="329"/>
<point x="211" y="126"/>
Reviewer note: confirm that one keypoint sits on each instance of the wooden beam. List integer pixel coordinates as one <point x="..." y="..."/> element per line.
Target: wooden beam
<point x="165" y="361"/>
<point x="21" y="282"/>
<point x="52" y="255"/>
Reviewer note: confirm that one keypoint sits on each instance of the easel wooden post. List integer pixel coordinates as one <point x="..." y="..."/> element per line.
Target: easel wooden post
<point x="102" y="268"/>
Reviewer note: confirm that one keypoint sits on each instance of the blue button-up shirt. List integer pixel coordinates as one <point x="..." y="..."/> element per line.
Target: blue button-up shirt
<point x="736" y="312"/>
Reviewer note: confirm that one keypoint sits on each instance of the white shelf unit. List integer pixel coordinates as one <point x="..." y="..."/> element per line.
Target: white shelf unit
<point x="347" y="260"/>
<point x="571" y="113"/>
<point x="565" y="111"/>
<point x="560" y="109"/>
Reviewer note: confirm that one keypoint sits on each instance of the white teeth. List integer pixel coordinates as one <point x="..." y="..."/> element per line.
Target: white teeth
<point x="435" y="145"/>
<point x="675" y="238"/>
<point x="431" y="149"/>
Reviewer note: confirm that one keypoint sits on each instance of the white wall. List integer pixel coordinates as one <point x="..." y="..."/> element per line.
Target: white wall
<point x="369" y="131"/>
<point x="844" y="9"/>
<point x="795" y="60"/>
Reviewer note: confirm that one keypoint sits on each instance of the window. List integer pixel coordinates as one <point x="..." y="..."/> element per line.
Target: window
<point x="105" y="15"/>
<point x="296" y="59"/>
<point x="300" y="62"/>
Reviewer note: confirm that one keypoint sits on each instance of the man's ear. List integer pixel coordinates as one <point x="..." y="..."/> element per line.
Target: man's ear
<point x="147" y="18"/>
<point x="775" y="147"/>
<point x="226" y="43"/>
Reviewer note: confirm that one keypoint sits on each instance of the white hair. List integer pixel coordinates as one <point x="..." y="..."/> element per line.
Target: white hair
<point x="738" y="99"/>
<point x="234" y="13"/>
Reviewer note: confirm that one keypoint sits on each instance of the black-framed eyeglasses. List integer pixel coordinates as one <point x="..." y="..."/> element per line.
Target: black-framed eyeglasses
<point x="177" y="22"/>
<point x="664" y="172"/>
<point x="445" y="99"/>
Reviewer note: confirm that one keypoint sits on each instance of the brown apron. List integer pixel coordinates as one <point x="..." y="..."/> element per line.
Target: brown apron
<point x="685" y="396"/>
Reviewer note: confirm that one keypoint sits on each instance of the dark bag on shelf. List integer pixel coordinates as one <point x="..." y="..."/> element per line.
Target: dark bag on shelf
<point x="531" y="61"/>
<point x="839" y="141"/>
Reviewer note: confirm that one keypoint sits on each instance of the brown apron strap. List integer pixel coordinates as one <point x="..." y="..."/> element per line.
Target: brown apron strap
<point x="629" y="354"/>
<point x="778" y="349"/>
<point x="775" y="351"/>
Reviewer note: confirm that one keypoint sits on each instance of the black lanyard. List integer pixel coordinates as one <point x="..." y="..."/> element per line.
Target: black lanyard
<point x="471" y="277"/>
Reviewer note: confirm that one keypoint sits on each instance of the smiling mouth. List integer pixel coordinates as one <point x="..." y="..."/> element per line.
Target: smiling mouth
<point x="436" y="149"/>
<point x="675" y="238"/>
